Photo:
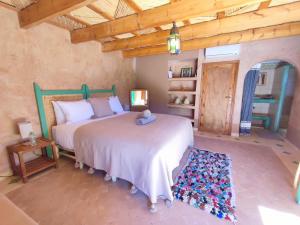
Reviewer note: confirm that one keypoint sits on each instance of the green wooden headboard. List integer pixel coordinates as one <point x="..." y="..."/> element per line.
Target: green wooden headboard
<point x="40" y="94"/>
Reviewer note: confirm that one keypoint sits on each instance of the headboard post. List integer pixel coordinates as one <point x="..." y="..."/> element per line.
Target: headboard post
<point x="41" y="110"/>
<point x="113" y="88"/>
<point x="86" y="91"/>
<point x="42" y="115"/>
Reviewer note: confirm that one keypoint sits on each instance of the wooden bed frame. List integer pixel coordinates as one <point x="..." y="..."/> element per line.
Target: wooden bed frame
<point x="46" y="111"/>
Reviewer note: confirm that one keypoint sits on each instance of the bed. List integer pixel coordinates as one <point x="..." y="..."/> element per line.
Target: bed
<point x="143" y="155"/>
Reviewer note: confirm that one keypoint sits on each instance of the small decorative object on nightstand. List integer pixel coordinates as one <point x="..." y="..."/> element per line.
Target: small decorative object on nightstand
<point x="170" y="73"/>
<point x="25" y="169"/>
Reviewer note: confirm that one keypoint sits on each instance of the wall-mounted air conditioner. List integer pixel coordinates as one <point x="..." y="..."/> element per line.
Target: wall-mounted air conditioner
<point x="222" y="51"/>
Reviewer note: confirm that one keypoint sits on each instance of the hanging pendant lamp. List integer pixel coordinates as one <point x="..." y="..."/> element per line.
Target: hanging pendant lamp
<point x="174" y="41"/>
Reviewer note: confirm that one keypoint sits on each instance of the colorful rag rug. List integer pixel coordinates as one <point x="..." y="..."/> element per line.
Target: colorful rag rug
<point x="205" y="183"/>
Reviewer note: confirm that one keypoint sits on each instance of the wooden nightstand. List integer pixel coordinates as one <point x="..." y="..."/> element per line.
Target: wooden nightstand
<point x="25" y="169"/>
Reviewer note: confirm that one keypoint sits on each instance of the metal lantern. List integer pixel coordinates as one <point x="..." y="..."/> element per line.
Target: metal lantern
<point x="174" y="41"/>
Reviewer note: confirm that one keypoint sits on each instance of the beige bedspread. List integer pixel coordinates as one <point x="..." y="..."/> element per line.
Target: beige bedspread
<point x="143" y="155"/>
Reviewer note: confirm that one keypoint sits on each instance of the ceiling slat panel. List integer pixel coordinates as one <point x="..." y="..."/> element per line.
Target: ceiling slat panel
<point x="66" y="23"/>
<point x="108" y="6"/>
<point x="149" y="4"/>
<point x="146" y="31"/>
<point x="244" y="9"/>
<point x="87" y="15"/>
<point x="169" y="26"/>
<point x="202" y="19"/>
<point x="20" y="4"/>
<point x="123" y="36"/>
<point x="281" y="2"/>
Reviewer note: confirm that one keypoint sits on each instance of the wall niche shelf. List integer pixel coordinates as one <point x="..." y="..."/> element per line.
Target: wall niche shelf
<point x="182" y="92"/>
<point x="182" y="106"/>
<point x="184" y="87"/>
<point x="183" y="79"/>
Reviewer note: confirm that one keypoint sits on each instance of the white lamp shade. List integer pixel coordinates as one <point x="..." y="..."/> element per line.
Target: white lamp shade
<point x="25" y="129"/>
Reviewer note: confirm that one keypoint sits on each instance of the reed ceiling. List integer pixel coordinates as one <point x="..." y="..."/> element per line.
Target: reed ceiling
<point x="103" y="11"/>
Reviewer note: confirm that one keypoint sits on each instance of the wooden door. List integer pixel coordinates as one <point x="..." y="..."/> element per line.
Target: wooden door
<point x="217" y="92"/>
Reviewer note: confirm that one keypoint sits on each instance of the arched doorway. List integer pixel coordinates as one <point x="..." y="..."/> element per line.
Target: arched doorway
<point x="267" y="99"/>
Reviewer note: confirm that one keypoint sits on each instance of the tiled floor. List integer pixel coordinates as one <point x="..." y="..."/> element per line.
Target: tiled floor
<point x="288" y="153"/>
<point x="263" y="188"/>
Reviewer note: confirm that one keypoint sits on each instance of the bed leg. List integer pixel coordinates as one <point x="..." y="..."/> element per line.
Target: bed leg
<point x="153" y="208"/>
<point x="133" y="190"/>
<point x="81" y="165"/>
<point x="76" y="165"/>
<point x="107" y="177"/>
<point x="114" y="179"/>
<point x="91" y="170"/>
<point x="168" y="203"/>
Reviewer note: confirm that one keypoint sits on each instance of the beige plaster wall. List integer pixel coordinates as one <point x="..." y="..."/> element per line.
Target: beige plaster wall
<point x="152" y="74"/>
<point x="44" y="54"/>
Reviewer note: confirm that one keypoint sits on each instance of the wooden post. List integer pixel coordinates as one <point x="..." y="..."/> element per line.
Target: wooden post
<point x="86" y="91"/>
<point x="114" y="90"/>
<point x="284" y="81"/>
<point x="42" y="115"/>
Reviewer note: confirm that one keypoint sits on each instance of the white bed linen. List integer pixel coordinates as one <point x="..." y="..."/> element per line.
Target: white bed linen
<point x="144" y="155"/>
<point x="63" y="134"/>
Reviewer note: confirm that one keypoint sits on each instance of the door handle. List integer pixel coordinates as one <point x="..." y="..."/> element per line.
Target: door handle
<point x="227" y="96"/>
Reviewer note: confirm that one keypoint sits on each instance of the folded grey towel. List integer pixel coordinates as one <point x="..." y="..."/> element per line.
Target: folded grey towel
<point x="143" y="120"/>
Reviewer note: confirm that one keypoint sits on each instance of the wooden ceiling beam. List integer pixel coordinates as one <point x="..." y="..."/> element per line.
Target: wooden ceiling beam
<point x="103" y="14"/>
<point x="265" y="17"/>
<point x="136" y="9"/>
<point x="177" y="11"/>
<point x="284" y="30"/>
<point x="44" y="10"/>
<point x="221" y="15"/>
<point x="186" y="22"/>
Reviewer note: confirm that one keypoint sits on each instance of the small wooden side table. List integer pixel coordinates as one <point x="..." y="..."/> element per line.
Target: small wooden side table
<point x="25" y="169"/>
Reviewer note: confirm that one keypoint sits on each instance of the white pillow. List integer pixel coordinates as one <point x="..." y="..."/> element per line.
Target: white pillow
<point x="115" y="104"/>
<point x="76" y="111"/>
<point x="59" y="114"/>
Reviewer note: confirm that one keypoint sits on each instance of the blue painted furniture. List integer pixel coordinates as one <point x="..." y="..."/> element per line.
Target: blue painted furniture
<point x="265" y="118"/>
<point x="279" y="102"/>
<point x="284" y="81"/>
<point x="264" y="100"/>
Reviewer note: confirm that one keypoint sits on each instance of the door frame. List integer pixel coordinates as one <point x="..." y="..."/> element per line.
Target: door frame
<point x="228" y="126"/>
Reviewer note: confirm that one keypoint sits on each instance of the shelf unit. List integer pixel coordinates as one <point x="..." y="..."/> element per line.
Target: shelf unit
<point x="184" y="87"/>
<point x="183" y="78"/>
<point x="188" y="93"/>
